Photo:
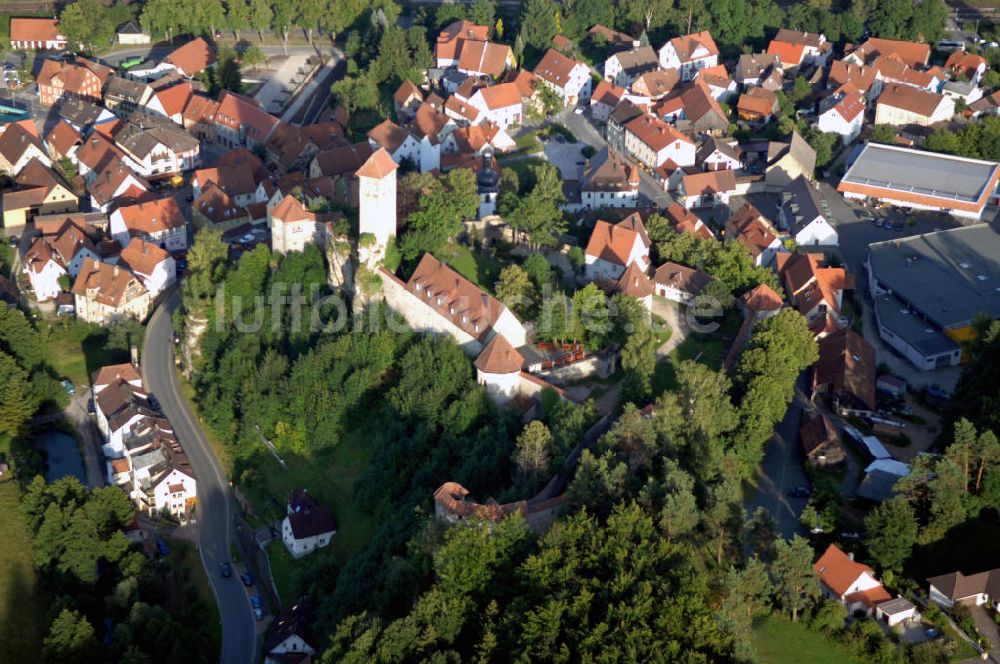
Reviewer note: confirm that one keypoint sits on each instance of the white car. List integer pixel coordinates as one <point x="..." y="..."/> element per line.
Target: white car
<point x="578" y="110"/>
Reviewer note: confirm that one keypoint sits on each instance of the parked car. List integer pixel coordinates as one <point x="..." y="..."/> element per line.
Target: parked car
<point x="258" y="611"/>
<point x="68" y="386"/>
<point x="898" y="226"/>
<point x="226" y="569"/>
<point x="247" y="579"/>
<point x="154" y="403"/>
<point x="850" y="535"/>
<point x="90" y="406"/>
<point x="12" y="241"/>
<point x="798" y="492"/>
<point x="578" y="110"/>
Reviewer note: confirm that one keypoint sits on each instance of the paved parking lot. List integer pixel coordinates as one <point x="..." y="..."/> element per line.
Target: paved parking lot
<point x="567" y="157"/>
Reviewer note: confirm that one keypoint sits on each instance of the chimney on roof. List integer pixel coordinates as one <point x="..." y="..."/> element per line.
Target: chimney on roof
<point x="850" y="555"/>
<point x="115" y="272"/>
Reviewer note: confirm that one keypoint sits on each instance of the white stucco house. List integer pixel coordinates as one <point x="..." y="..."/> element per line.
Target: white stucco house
<point x="689" y="53"/>
<point x="612" y="248"/>
<point x="307" y="526"/>
<point x="842" y="113"/>
<point x="802" y="214"/>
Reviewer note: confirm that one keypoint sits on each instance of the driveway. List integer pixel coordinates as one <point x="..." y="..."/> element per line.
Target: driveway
<point x="671" y="313"/>
<point x="988" y="628"/>
<point x="782" y="470"/>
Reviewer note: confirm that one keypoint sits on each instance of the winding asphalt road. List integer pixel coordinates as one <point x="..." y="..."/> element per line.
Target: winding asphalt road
<point x="215" y="522"/>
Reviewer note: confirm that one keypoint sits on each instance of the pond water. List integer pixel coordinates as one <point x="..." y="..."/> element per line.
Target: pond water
<point x="62" y="455"/>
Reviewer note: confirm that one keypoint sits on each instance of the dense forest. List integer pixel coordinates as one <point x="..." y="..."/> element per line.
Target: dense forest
<point x="654" y="532"/>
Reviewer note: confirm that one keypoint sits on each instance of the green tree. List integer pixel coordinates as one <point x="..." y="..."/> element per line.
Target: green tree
<point x="632" y="438"/>
<point x="891" y="18"/>
<point x="444" y="204"/>
<point x="795" y="582"/>
<point x="823" y="144"/>
<point x="538" y="268"/>
<point x="17" y="402"/>
<point x="927" y="24"/>
<point x="598" y="484"/>
<point x="71" y="640"/>
<point x="592" y="320"/>
<point x="680" y="514"/>
<point x="883" y="133"/>
<point x="537" y="214"/>
<point x="253" y="56"/>
<point x="206" y="264"/>
<point x="159" y="17"/>
<point x="943" y="140"/>
<point x="539" y="23"/>
<point x="482" y="12"/>
<point x="533" y="455"/>
<point x="283" y="14"/>
<point x="515" y="289"/>
<point x="800" y="90"/>
<point x="470" y="559"/>
<point x="260" y="17"/>
<point x="892" y="531"/>
<point x="238" y="16"/>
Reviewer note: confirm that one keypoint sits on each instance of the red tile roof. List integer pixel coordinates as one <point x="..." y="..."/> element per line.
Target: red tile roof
<point x="193" y="57"/>
<point x="377" y="166"/>
<point x="153" y="216"/>
<point x="686" y="45"/>
<point x="455" y="297"/>
<point x="34" y="29"/>
<point x="913" y="54"/>
<point x="790" y="54"/>
<point x="612" y="243"/>
<point x="499" y="357"/>
<point x="762" y="298"/>
<point x="555" y="68"/>
<point x="838" y="571"/>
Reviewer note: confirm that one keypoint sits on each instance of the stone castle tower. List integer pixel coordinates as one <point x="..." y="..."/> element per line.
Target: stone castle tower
<point x="377" y="198"/>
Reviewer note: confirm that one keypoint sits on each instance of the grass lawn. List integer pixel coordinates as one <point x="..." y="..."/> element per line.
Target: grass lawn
<point x="528" y="142"/>
<point x="6" y="259"/>
<point x="190" y="573"/>
<point x="709" y="348"/>
<point x="21" y="613"/>
<point x="523" y="169"/>
<point x="75" y="349"/>
<point x="780" y="641"/>
<point x="480" y="268"/>
<point x="330" y="476"/>
<point x="284" y="568"/>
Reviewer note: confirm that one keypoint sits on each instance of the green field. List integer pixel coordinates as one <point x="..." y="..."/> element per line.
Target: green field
<point x="75" y="349"/>
<point x="780" y="641"/>
<point x="21" y="613"/>
<point x="190" y="573"/>
<point x="330" y="476"/>
<point x="478" y="267"/>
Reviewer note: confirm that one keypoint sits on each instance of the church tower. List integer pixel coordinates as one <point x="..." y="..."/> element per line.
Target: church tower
<point x="377" y="197"/>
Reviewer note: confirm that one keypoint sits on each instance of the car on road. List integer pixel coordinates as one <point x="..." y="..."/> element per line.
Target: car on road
<point x="258" y="611"/>
<point x="897" y="226"/>
<point x="798" y="492"/>
<point x="68" y="386"/>
<point x="816" y="531"/>
<point x="578" y="110"/>
<point x="90" y="406"/>
<point x="226" y="569"/>
<point x="247" y="579"/>
<point x="154" y="403"/>
<point x="12" y="241"/>
<point x="992" y="44"/>
<point x="559" y="138"/>
<point x="850" y="535"/>
<point x="8" y="67"/>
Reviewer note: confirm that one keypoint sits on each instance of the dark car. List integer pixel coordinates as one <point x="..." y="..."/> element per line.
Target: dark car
<point x="90" y="406"/>
<point x="898" y="226"/>
<point x="154" y="402"/>
<point x="247" y="579"/>
<point x="12" y="241"/>
<point x="798" y="492"/>
<point x="227" y="570"/>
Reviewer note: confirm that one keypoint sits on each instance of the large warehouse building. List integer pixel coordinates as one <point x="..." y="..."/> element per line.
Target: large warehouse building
<point x="928" y="290"/>
<point x="922" y="180"/>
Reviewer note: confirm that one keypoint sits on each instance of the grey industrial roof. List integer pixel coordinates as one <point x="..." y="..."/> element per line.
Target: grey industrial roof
<point x="919" y="172"/>
<point x="949" y="277"/>
<point x="926" y="337"/>
<point x="877" y="485"/>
